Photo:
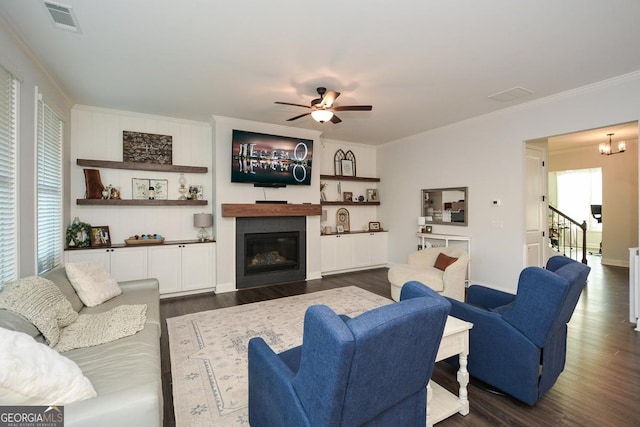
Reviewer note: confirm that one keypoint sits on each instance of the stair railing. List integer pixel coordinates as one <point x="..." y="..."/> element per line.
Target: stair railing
<point x="564" y="233"/>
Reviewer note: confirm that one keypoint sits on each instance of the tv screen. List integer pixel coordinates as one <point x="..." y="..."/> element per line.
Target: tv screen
<point x="270" y="160"/>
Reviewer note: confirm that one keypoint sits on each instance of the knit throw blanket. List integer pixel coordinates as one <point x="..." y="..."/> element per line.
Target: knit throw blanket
<point x="42" y="303"/>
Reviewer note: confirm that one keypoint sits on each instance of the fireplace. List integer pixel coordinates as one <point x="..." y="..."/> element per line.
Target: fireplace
<point x="270" y="250"/>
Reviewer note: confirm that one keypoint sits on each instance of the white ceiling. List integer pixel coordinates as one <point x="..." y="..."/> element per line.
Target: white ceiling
<point x="421" y="64"/>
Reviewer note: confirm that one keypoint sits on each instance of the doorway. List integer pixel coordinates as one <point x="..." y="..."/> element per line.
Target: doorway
<point x="580" y="150"/>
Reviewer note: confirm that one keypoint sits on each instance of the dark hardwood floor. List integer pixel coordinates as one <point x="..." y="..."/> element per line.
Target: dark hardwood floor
<point x="599" y="386"/>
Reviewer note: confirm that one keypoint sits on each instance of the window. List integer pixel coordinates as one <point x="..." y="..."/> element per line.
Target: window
<point x="8" y="174"/>
<point x="49" y="188"/>
<point x="577" y="191"/>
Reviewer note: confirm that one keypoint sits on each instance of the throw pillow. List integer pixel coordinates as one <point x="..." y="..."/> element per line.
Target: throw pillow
<point x="41" y="302"/>
<point x="92" y="282"/>
<point x="443" y="261"/>
<point x="31" y="369"/>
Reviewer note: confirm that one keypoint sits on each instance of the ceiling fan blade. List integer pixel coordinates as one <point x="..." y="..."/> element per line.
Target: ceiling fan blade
<point x="335" y="119"/>
<point x="297" y="117"/>
<point x="353" y="108"/>
<point x="329" y="98"/>
<point x="290" y="103"/>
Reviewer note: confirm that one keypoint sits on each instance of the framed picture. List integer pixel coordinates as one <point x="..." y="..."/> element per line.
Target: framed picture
<point x="139" y="189"/>
<point x="347" y="196"/>
<point x="374" y="226"/>
<point x="100" y="236"/>
<point x="161" y="188"/>
<point x="340" y="228"/>
<point x="372" y="195"/>
<point x="195" y="192"/>
<point x="347" y="168"/>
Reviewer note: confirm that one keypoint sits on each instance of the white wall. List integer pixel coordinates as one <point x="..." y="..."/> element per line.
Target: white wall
<point x="619" y="196"/>
<point x="227" y="192"/>
<point x="97" y="135"/>
<point x="486" y="154"/>
<point x="15" y="56"/>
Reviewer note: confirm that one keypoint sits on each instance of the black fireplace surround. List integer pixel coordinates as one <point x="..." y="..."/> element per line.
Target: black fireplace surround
<point x="270" y="250"/>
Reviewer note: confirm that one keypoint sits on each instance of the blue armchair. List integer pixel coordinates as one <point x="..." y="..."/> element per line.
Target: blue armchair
<point x="518" y="342"/>
<point x="367" y="371"/>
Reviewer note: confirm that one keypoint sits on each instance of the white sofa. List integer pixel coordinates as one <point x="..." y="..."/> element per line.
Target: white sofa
<point x="420" y="267"/>
<point x="126" y="373"/>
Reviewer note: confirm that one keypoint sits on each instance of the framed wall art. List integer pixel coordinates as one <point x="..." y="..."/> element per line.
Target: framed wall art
<point x="139" y="189"/>
<point x="160" y="186"/>
<point x="347" y="168"/>
<point x="139" y="147"/>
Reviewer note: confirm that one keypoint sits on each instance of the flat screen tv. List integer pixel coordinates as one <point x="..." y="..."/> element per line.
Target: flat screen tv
<point x="270" y="160"/>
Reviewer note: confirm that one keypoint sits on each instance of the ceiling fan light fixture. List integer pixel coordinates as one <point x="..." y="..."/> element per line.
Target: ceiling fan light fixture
<point x="321" y="116"/>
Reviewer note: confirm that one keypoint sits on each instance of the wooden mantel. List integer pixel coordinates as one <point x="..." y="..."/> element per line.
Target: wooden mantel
<point x="230" y="210"/>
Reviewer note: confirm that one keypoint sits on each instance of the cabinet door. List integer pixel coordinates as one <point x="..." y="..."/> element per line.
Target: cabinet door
<point x="89" y="255"/>
<point x="164" y="265"/>
<point x="328" y="253"/>
<point x="197" y="266"/>
<point x="361" y="250"/>
<point x="129" y="263"/>
<point x="344" y="252"/>
<point x="378" y="245"/>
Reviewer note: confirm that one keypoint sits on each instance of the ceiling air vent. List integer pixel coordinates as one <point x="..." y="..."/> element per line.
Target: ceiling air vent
<point x="63" y="16"/>
<point x="510" y="94"/>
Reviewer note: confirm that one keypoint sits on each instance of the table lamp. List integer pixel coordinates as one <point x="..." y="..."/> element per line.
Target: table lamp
<point x="204" y="221"/>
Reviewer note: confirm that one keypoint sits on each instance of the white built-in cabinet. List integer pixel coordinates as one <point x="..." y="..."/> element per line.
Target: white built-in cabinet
<point x="353" y="251"/>
<point x="180" y="268"/>
<point x="123" y="263"/>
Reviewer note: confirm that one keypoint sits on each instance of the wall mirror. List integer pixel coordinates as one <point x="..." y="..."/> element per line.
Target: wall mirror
<point x="445" y="206"/>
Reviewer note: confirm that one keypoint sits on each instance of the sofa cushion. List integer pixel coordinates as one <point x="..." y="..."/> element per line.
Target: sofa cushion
<point x="40" y="374"/>
<point x="15" y="322"/>
<point x="92" y="282"/>
<point x="59" y="277"/>
<point x="42" y="303"/>
<point x="399" y="274"/>
<point x="443" y="261"/>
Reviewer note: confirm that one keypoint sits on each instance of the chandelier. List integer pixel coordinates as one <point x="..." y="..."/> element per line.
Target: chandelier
<point x="605" y="147"/>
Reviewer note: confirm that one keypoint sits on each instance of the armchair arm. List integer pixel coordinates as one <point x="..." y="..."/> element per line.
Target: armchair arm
<point x="486" y="298"/>
<point x="272" y="400"/>
<point x="415" y="289"/>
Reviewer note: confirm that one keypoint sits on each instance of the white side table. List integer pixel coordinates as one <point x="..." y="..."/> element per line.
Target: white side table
<point x="441" y="404"/>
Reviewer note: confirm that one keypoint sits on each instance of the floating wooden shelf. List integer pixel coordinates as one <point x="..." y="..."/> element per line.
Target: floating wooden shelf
<point x="230" y="210"/>
<point x="114" y="202"/>
<point x="349" y="178"/>
<point x="141" y="166"/>
<point x="351" y="203"/>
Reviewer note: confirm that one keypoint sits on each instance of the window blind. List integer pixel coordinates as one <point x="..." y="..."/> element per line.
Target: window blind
<point x="8" y="177"/>
<point x="49" y="191"/>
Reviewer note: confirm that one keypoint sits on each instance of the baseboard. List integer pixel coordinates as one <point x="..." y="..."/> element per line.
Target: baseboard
<point x="615" y="262"/>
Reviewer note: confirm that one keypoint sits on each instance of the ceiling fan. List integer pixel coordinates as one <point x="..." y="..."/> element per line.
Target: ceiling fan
<point x="322" y="109"/>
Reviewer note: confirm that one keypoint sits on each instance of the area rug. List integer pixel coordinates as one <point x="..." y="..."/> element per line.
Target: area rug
<point x="209" y="350"/>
